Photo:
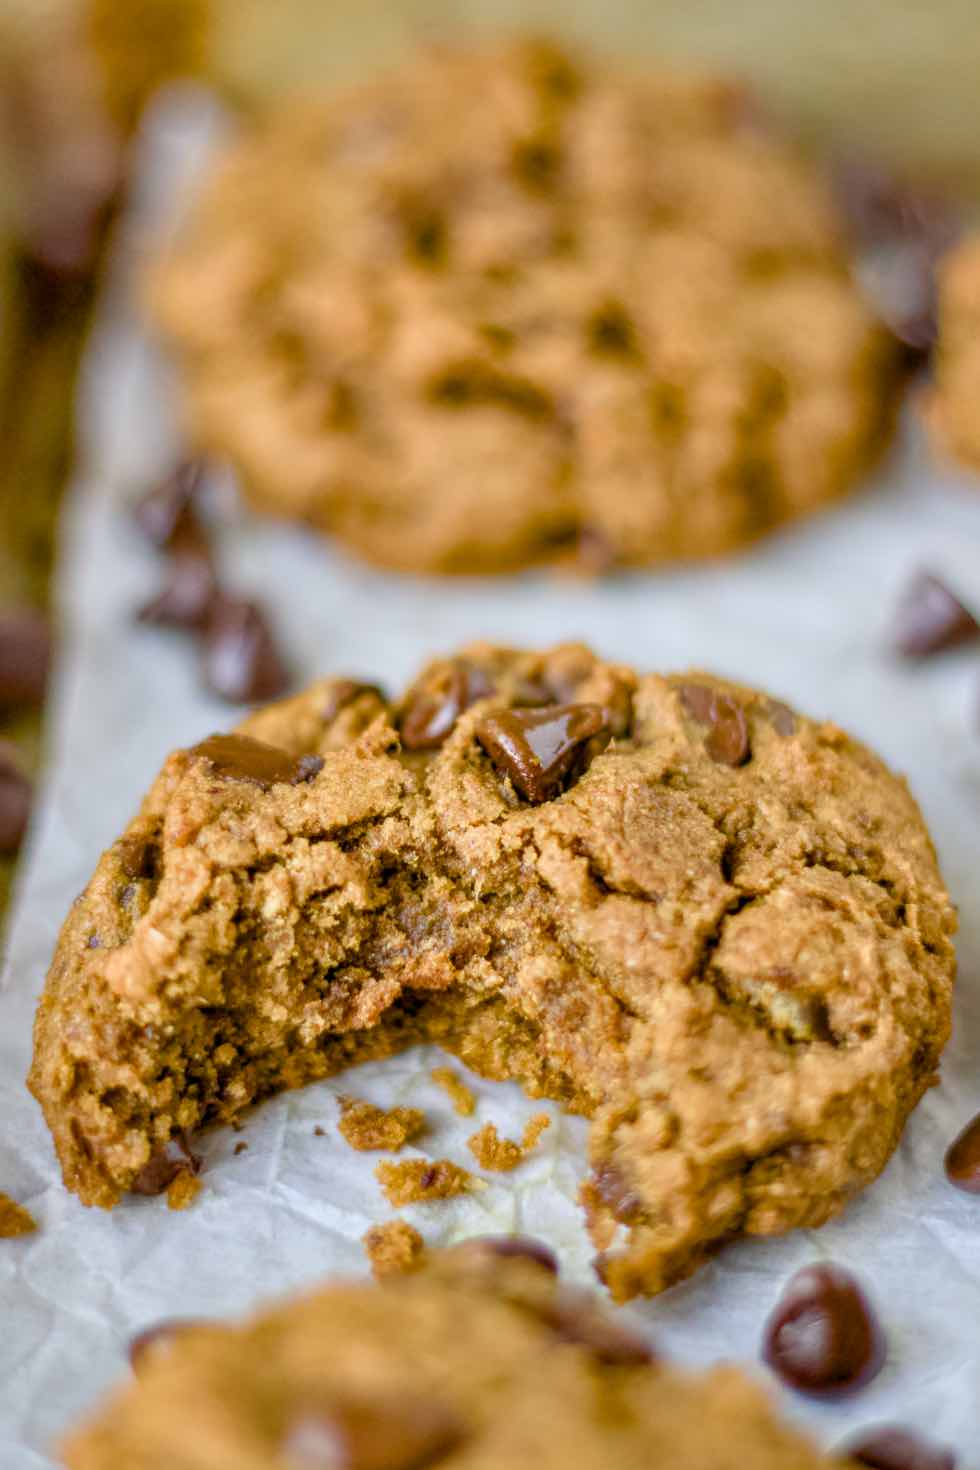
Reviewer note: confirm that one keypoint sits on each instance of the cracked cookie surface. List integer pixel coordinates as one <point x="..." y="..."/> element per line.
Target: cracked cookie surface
<point x="476" y="1358"/>
<point x="718" y="929"/>
<point x="599" y="318"/>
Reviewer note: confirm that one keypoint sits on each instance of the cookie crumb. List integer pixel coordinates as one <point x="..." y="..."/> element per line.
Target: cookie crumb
<point x="502" y="1154"/>
<point x="183" y="1191"/>
<point x="240" y="1148"/>
<point x="366" y="1127"/>
<point x="461" y="1097"/>
<point x="418" y="1180"/>
<point x="394" y="1249"/>
<point x="14" y="1219"/>
<point x="319" y="1132"/>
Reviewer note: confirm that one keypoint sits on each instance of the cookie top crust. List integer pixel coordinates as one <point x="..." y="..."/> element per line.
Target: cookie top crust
<point x="599" y="316"/>
<point x="671" y="902"/>
<point x="478" y="1359"/>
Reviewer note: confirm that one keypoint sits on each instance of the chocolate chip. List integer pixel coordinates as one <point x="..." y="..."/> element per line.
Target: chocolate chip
<point x="963" y="1158"/>
<point x="187" y="596"/>
<point x="242" y="758"/>
<point x="520" y="1247"/>
<point x="727" y="741"/>
<point x="162" y="1168"/>
<point x="158" y="1339"/>
<point x="25" y="657"/>
<point x="575" y="1318"/>
<point x="930" y="618"/>
<point x="343" y="692"/>
<point x="383" y="1433"/>
<point x="241" y="661"/>
<point x="434" y="706"/>
<point x="781" y="717"/>
<point x="137" y="856"/>
<point x="15" y="800"/>
<point x="167" y="510"/>
<point x="616" y="1194"/>
<point x="822" y="1337"/>
<point x="537" y="748"/>
<point x="891" y="1448"/>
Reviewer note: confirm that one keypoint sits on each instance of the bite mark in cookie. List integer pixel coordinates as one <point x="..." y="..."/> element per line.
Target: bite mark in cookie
<point x="722" y="935"/>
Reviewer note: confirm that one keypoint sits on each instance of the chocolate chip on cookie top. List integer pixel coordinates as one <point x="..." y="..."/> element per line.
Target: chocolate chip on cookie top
<point x="537" y="748"/>
<point x="241" y="758"/>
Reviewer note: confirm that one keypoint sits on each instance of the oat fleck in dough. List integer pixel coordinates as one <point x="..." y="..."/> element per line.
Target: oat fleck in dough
<point x="461" y="1097"/>
<point x="724" y="938"/>
<point x="394" y="1249"/>
<point x="366" y="1127"/>
<point x="596" y="319"/>
<point x="419" y="1181"/>
<point x="956" y="392"/>
<point x="479" y="1358"/>
<point x="503" y="1154"/>
<point x="14" y="1219"/>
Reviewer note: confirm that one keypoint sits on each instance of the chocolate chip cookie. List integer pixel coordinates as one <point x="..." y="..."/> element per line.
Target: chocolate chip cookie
<point x="597" y="318"/>
<point x="953" y="403"/>
<point x="711" y="924"/>
<point x="479" y="1358"/>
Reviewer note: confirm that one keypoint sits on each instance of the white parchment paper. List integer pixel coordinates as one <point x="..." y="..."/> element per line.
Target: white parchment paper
<point x="805" y="616"/>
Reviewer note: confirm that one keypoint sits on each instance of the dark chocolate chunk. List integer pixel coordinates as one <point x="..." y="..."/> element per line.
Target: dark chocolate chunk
<point x="157" y="1339"/>
<point x="15" y="800"/>
<point x="521" y="1247"/>
<point x="381" y="1433"/>
<point x="241" y="661"/>
<point x="242" y="758"/>
<point x="433" y="707"/>
<point x="537" y="748"/>
<point x="187" y="596"/>
<point x="163" y="1167"/>
<point x="822" y="1337"/>
<point x="891" y="1448"/>
<point x="343" y="692"/>
<point x="727" y="741"/>
<point x="963" y="1158"/>
<point x="613" y="1189"/>
<point x="930" y="618"/>
<point x="167" y="511"/>
<point x="25" y="657"/>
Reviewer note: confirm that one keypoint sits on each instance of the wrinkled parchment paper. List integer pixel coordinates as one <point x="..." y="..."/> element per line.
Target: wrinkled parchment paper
<point x="804" y="616"/>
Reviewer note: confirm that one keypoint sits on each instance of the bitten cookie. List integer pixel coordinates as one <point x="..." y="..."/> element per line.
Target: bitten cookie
<point x="479" y="1359"/>
<point x="711" y="924"/>
<point x="954" y="405"/>
<point x="510" y="306"/>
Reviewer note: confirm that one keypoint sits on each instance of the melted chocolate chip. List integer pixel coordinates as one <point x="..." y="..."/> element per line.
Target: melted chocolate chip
<point x="15" y="801"/>
<point x="521" y="1247"/>
<point x="25" y="656"/>
<point x="963" y="1158"/>
<point x="574" y="1317"/>
<point x="241" y="661"/>
<point x="537" y="748"/>
<point x="891" y="1448"/>
<point x="383" y="1433"/>
<point x="616" y="1194"/>
<point x="188" y="593"/>
<point x="166" y="512"/>
<point x="727" y="741"/>
<point x="156" y="1340"/>
<point x="343" y="692"/>
<point x="435" y="706"/>
<point x="162" y="1168"/>
<point x="781" y="717"/>
<point x="930" y="618"/>
<point x="242" y="758"/>
<point x="822" y="1337"/>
